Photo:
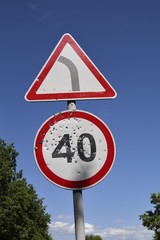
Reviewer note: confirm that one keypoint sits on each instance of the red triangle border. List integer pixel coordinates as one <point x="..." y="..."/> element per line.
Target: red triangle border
<point x="31" y="95"/>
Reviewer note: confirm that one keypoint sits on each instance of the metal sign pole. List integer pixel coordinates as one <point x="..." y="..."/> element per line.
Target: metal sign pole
<point x="77" y="200"/>
<point x="78" y="215"/>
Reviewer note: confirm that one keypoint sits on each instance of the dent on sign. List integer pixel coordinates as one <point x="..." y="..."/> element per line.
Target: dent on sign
<point x="74" y="149"/>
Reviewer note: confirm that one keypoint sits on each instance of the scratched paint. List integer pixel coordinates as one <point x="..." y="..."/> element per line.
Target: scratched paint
<point x="76" y="168"/>
<point x="78" y="150"/>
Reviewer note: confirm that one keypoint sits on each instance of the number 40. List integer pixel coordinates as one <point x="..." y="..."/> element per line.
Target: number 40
<point x="65" y="142"/>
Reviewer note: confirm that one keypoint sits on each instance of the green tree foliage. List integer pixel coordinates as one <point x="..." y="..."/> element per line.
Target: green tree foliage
<point x="93" y="237"/>
<point x="151" y="219"/>
<point x="22" y="214"/>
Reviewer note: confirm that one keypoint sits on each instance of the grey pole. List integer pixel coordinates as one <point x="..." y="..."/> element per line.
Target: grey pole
<point x="78" y="215"/>
<point x="77" y="200"/>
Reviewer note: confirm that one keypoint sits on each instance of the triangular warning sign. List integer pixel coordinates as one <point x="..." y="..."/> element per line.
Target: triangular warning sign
<point x="69" y="74"/>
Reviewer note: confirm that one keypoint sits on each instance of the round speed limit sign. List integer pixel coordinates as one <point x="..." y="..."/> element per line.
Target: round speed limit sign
<point x="74" y="149"/>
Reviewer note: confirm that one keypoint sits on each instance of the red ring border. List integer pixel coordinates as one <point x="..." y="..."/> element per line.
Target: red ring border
<point x="68" y="184"/>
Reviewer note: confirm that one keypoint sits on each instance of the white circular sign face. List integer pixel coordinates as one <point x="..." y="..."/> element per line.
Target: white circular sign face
<point x="74" y="149"/>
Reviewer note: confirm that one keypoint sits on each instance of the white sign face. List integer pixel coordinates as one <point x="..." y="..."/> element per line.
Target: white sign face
<point x="74" y="150"/>
<point x="68" y="67"/>
<point x="69" y="74"/>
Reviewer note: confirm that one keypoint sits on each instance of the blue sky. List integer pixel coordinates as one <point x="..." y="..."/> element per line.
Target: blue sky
<point x="122" y="39"/>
